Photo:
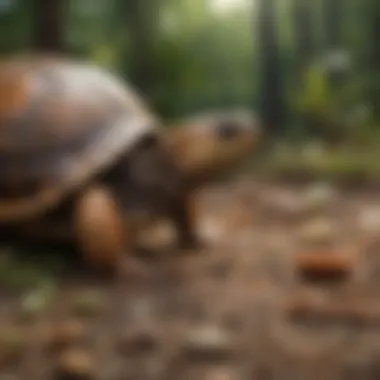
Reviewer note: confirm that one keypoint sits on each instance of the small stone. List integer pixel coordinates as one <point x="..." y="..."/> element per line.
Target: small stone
<point x="324" y="265"/>
<point x="209" y="341"/>
<point x="75" y="365"/>
<point x="64" y="334"/>
<point x="210" y="228"/>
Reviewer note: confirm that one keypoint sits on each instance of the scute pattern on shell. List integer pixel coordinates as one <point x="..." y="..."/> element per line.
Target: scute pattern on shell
<point x="63" y="123"/>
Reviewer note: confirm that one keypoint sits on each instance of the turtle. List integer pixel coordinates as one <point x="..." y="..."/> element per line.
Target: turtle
<point x="80" y="146"/>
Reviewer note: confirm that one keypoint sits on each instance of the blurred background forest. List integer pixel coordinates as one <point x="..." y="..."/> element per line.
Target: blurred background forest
<point x="310" y="68"/>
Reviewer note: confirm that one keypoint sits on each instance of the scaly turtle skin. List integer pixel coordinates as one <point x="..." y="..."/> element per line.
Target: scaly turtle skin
<point x="77" y="147"/>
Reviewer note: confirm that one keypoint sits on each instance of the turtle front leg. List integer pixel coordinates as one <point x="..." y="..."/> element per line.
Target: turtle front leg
<point x="184" y="217"/>
<point x="102" y="233"/>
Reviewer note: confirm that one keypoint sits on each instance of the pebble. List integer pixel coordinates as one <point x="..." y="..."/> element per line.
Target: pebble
<point x="325" y="265"/>
<point x="75" y="365"/>
<point x="208" y="341"/>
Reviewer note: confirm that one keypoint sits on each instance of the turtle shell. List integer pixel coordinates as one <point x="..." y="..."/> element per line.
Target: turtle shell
<point x="61" y="123"/>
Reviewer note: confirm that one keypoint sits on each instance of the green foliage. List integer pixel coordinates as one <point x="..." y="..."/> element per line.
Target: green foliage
<point x="315" y="96"/>
<point x="203" y="61"/>
<point x="203" y="58"/>
<point x="21" y="275"/>
<point x="338" y="109"/>
<point x="314" y="161"/>
<point x="15" y="25"/>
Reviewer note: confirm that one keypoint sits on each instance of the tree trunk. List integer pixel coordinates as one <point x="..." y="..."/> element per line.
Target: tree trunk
<point x="303" y="33"/>
<point x="142" y="23"/>
<point x="271" y="87"/>
<point x="49" y="25"/>
<point x="373" y="22"/>
<point x="332" y="23"/>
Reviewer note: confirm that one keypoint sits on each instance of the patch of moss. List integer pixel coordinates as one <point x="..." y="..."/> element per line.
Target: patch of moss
<point x="333" y="165"/>
<point x="17" y="274"/>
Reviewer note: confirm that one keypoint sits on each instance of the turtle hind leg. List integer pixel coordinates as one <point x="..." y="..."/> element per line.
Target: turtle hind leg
<point x="100" y="229"/>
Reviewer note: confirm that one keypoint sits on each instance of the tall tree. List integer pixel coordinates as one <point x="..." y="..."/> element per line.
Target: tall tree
<point x="332" y="23"/>
<point x="332" y="19"/>
<point x="373" y="22"/>
<point x="49" y="25"/>
<point x="271" y="86"/>
<point x="142" y="24"/>
<point x="305" y="50"/>
<point x="303" y="33"/>
<point x="15" y="25"/>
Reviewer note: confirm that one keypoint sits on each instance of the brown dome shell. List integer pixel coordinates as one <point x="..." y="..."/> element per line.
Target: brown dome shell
<point x="61" y="122"/>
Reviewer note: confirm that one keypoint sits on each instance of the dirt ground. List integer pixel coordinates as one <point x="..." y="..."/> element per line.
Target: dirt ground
<point x="287" y="287"/>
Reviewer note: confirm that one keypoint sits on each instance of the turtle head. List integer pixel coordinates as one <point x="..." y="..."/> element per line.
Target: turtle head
<point x="211" y="144"/>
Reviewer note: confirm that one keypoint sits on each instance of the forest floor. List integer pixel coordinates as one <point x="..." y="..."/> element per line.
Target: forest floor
<point x="287" y="288"/>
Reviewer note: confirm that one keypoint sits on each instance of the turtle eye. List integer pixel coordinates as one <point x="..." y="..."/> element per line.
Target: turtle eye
<point x="228" y="130"/>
